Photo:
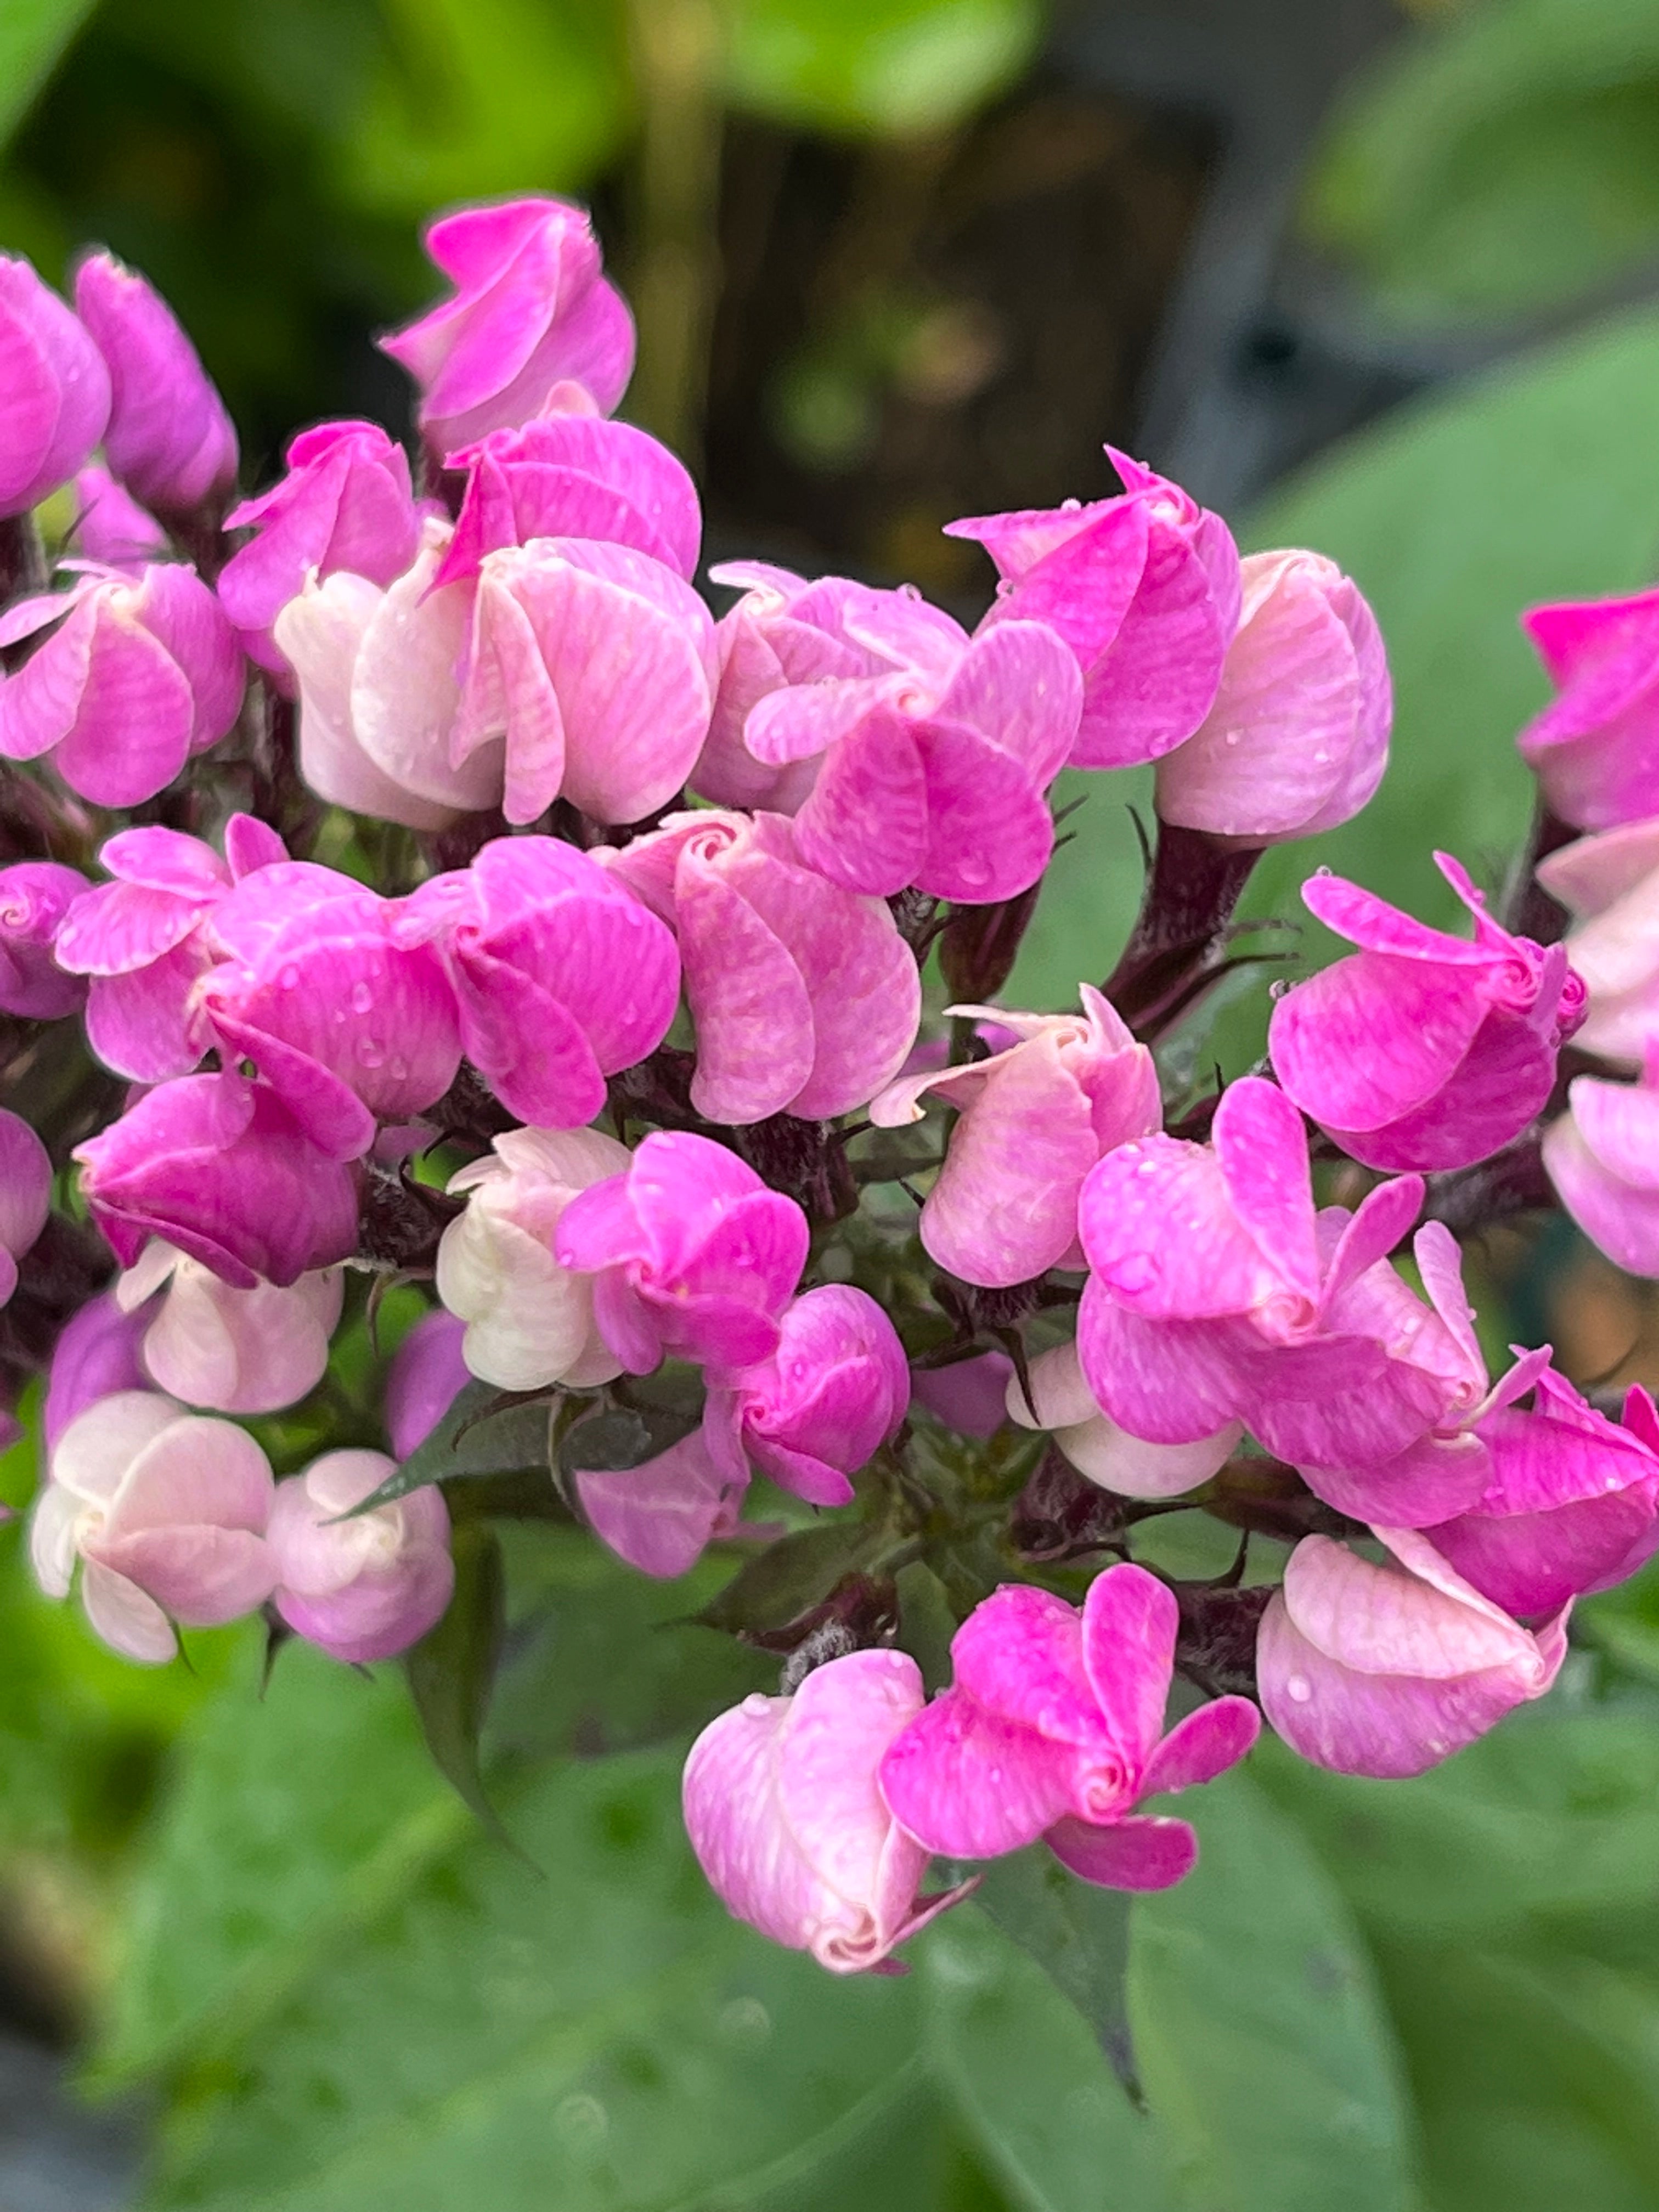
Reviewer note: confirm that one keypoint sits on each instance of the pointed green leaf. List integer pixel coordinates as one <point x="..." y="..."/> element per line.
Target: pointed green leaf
<point x="452" y="1671"/>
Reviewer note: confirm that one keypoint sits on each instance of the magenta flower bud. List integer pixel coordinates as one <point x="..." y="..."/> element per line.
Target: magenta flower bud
<point x="1594" y="749"/>
<point x="168" y="1512"/>
<point x="54" y="390"/>
<point x="971" y="1395"/>
<point x="34" y="897"/>
<point x="169" y="440"/>
<point x="97" y="1353"/>
<point x="1298" y="738"/>
<point x="1052" y="1727"/>
<point x="1387" y="1670"/>
<point x="530" y="312"/>
<point x="1602" y="1157"/>
<point x="110" y="526"/>
<point x="208" y="1343"/>
<point x="1063" y="1403"/>
<point x="368" y="1587"/>
<point x="217" y="1166"/>
<point x="694" y="1258"/>
<point x="560" y="977"/>
<point x="595" y="665"/>
<point x="142" y="672"/>
<point x="785" y="1815"/>
<point x="25" y="1195"/>
<point x="427" y="1375"/>
<point x="1144" y="589"/>
<point x="832" y="1393"/>
<point x="1423" y="1050"/>
<point x="1032" y="1121"/>
<point x="345" y="503"/>
<point x="345" y="1021"/>
<point x="1611" y="884"/>
<point x="662" y="1517"/>
<point x="805" y="997"/>
<point x="529" y="1321"/>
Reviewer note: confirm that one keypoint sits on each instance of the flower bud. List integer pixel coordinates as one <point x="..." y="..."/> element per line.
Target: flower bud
<point x="34" y="897"/>
<point x="169" y="440"/>
<point x="970" y="1395"/>
<point x="110" y="526"/>
<point x="25" y="1195"/>
<point x="1063" y="1403"/>
<point x="662" y="1516"/>
<point x="787" y="1821"/>
<point x="368" y="1587"/>
<point x="1594" y="749"/>
<point x="1602" y="1156"/>
<point x="97" y="1353"/>
<point x="530" y="312"/>
<point x="1298" y="738"/>
<point x="56" y="388"/>
<point x="427" y="1374"/>
<point x="1611" y="884"/>
<point x="235" y="1351"/>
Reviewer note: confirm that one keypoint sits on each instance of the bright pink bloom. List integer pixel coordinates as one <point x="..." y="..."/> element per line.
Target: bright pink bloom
<point x="110" y="526"/>
<point x="368" y="1587"/>
<point x="169" y="440"/>
<point x="25" y="1195"/>
<point x="218" y="1166"/>
<point x="426" y="1377"/>
<point x="561" y="977"/>
<point x="835" y="1390"/>
<point x="96" y="1354"/>
<point x="785" y="1815"/>
<point x="530" y="312"/>
<point x="1298" y="739"/>
<point x="1603" y="1158"/>
<point x="144" y="938"/>
<point x="1144" y="589"/>
<point x="1063" y="1403"/>
<point x="141" y="671"/>
<point x="662" y="1516"/>
<point x="233" y="1351"/>
<point x="34" y="896"/>
<point x="1594" y="749"/>
<point x="693" y="1256"/>
<point x="1052" y="1727"/>
<point x="1387" y="1670"/>
<point x="1611" y="884"/>
<point x="54" y="390"/>
<point x="168" y="1512"/>
<point x="805" y="997"/>
<point x="1423" y="1050"/>
<point x="1032" y="1120"/>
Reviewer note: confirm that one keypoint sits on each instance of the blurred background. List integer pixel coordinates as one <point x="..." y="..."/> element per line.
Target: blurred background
<point x="1378" y="279"/>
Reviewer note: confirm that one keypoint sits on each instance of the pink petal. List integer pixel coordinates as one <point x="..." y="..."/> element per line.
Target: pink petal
<point x="865" y="822"/>
<point x="1139" y="1853"/>
<point x="1019" y="686"/>
<point x="662" y="1517"/>
<point x="138" y="1024"/>
<point x="989" y="831"/>
<point x="1262" y="1149"/>
<point x="1206" y="1744"/>
<point x="127" y="1621"/>
<point x="1367" y="1039"/>
<point x="1166" y="1381"/>
<point x="1158" y="678"/>
<point x="969" y="1786"/>
<point x="753" y="1013"/>
<point x="1129" y="1623"/>
<point x="1018" y="1656"/>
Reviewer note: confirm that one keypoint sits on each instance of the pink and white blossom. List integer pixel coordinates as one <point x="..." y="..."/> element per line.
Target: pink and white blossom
<point x="361" y="1586"/>
<point x="209" y="1343"/>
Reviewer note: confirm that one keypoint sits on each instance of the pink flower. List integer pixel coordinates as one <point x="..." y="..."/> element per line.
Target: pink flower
<point x="110" y="526"/>
<point x="25" y="1195"/>
<point x="1052" y="1727"/>
<point x="1298" y="738"/>
<point x="1063" y="1403"/>
<point x="804" y="996"/>
<point x="529" y="1320"/>
<point x="209" y="1343"/>
<point x="169" y="440"/>
<point x="1611" y="883"/>
<point x="835" y="1390"/>
<point x="1602" y="1157"/>
<point x="34" y="896"/>
<point x="1144" y="589"/>
<point x="141" y="671"/>
<point x="693" y="1256"/>
<point x="54" y="390"/>
<point x="559" y="976"/>
<point x="1594" y="749"/>
<point x="368" y="1587"/>
<point x="1423" y="1050"/>
<point x="786" y="1817"/>
<point x="98" y="1352"/>
<point x="427" y="1374"/>
<point x="144" y="938"/>
<point x="662" y="1516"/>
<point x="219" y="1167"/>
<point x="1387" y="1670"/>
<point x="168" y="1512"/>
<point x="1032" y="1121"/>
<point x="530" y="312"/>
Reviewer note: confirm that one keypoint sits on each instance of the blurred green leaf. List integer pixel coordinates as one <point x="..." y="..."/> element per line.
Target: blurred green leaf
<point x="33" y="34"/>
<point x="1078" y="1935"/>
<point x="451" y="1670"/>
<point x="791" y="1576"/>
<point x="875" y="66"/>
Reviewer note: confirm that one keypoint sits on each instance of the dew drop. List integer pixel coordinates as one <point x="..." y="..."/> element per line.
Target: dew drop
<point x="289" y="978"/>
<point x="1134" y="1272"/>
<point x="370" y="1051"/>
<point x="757" y="1705"/>
<point x="1298" y="1688"/>
<point x="361" y="998"/>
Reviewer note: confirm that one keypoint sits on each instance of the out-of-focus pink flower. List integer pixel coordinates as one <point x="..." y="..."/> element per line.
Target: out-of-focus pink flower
<point x="1388" y="1669"/>
<point x="141" y="671"/>
<point x="34" y="896"/>
<point x="1298" y="738"/>
<point x="54" y="389"/>
<point x="970" y="1396"/>
<point x="110" y="526"/>
<point x="805" y="997"/>
<point x="219" y="1167"/>
<point x="368" y="1587"/>
<point x="1423" y="1050"/>
<point x="168" y="1512"/>
<point x="25" y="1195"/>
<point x="427" y="1374"/>
<point x="596" y="667"/>
<point x="530" y="312"/>
<point x="345" y="1020"/>
<point x="785" y="1815"/>
<point x="345" y="503"/>
<point x="1611" y="884"/>
<point x="833" y="1391"/>
<point x="1594" y="749"/>
<point x="1052" y="1727"/>
<point x="1063" y="1403"/>
<point x="662" y="1516"/>
<point x="1144" y="589"/>
<point x="143" y="940"/>
<point x="1031" y="1123"/>
<point x="209" y="1343"/>
<point x="692" y="1255"/>
<point x="98" y="1352"/>
<point x="169" y="440"/>
<point x="529" y="1320"/>
<point x="1602" y="1156"/>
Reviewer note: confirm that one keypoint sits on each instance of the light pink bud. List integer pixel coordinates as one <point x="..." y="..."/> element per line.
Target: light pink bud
<point x="1594" y="749"/>
<point x="662" y="1516"/>
<point x="1602" y="1156"/>
<point x="1611" y="884"/>
<point x="1063" y="1403"/>
<point x="368" y="1587"/>
<point x="54" y="390"/>
<point x="169" y="440"/>
<point x="25" y="1195"/>
<point x="233" y="1351"/>
<point x="34" y="897"/>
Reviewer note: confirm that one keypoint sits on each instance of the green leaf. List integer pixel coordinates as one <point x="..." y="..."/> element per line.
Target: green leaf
<point x="615" y="1439"/>
<point x="486" y="1431"/>
<point x="1078" y="1935"/>
<point x="451" y="1670"/>
<point x="792" y="1576"/>
<point x="876" y="66"/>
<point x="34" y="36"/>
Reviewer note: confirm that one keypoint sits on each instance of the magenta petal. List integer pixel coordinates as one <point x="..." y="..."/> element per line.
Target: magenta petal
<point x="989" y="831"/>
<point x="1206" y="1744"/>
<point x="1167" y="1383"/>
<point x="864" y="824"/>
<point x="748" y="1000"/>
<point x="971" y="1786"/>
<point x="660" y="1516"/>
<point x="1018" y="1656"/>
<point x="1018" y="685"/>
<point x="1263" y="1152"/>
<point x="1142" y="1852"/>
<point x="1157" y="679"/>
<point x="137" y="1024"/>
<point x="1129" y="1622"/>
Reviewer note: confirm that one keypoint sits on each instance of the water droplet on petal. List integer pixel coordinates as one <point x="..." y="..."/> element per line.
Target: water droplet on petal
<point x="1298" y="1688"/>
